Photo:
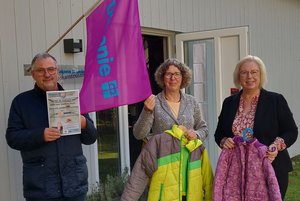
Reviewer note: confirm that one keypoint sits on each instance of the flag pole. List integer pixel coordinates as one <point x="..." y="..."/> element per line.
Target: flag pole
<point x="74" y="24"/>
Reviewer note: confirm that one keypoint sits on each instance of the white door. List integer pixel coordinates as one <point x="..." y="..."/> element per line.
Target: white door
<point x="212" y="56"/>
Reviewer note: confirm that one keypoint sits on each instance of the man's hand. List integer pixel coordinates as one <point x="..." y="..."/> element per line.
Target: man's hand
<point x="82" y="122"/>
<point x="51" y="134"/>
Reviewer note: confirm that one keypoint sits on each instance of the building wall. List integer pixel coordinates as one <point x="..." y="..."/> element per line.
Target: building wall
<point x="274" y="34"/>
<point x="31" y="26"/>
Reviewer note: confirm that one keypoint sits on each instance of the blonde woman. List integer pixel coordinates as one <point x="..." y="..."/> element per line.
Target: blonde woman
<point x="266" y="113"/>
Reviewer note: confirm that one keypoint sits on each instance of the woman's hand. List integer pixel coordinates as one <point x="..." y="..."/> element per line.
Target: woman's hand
<point x="191" y="135"/>
<point x="272" y="152"/>
<point x="227" y="143"/>
<point x="149" y="103"/>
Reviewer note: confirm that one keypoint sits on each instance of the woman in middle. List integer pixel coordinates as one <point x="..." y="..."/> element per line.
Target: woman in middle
<point x="171" y="106"/>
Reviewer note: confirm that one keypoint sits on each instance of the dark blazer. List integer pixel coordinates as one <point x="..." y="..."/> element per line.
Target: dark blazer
<point x="273" y="118"/>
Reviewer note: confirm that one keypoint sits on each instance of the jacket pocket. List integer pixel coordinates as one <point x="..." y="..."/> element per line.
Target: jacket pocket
<point x="34" y="175"/>
<point x="81" y="169"/>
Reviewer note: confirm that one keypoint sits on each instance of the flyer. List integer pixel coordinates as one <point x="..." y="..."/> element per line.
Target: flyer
<point x="64" y="111"/>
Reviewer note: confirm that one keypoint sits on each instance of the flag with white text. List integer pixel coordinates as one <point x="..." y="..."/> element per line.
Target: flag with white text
<point x="115" y="69"/>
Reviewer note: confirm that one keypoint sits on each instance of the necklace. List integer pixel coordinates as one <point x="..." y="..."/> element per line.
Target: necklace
<point x="174" y="107"/>
<point x="172" y="100"/>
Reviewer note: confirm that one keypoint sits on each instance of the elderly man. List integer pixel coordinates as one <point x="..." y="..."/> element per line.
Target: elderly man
<point x="54" y="167"/>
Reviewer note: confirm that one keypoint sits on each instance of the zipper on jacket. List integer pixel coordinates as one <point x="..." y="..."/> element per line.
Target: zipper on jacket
<point x="160" y="192"/>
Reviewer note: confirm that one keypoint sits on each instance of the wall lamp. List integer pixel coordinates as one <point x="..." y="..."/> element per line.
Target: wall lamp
<point x="72" y="46"/>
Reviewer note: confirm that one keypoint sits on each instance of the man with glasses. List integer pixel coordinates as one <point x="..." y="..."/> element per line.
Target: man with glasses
<point x="54" y="167"/>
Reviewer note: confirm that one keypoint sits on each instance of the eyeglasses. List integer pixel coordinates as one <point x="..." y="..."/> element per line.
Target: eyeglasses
<point x="170" y="75"/>
<point x="253" y="73"/>
<point x="42" y="71"/>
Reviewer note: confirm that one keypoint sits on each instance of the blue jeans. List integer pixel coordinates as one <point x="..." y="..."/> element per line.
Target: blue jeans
<point x="78" y="198"/>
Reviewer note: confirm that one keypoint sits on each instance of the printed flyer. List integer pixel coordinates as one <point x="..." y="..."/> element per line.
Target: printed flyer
<point x="64" y="111"/>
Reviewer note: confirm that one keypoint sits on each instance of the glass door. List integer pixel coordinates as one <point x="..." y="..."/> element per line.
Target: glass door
<point x="199" y="56"/>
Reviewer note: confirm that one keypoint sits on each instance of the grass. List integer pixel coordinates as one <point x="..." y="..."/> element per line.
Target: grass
<point x="293" y="192"/>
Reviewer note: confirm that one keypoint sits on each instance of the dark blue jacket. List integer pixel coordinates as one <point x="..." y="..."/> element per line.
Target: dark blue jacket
<point x="50" y="169"/>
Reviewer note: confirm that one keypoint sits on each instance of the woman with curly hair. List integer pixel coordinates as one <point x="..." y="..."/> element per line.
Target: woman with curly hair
<point x="171" y="106"/>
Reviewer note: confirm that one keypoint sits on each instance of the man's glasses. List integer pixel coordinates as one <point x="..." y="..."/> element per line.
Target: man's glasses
<point x="42" y="71"/>
<point x="170" y="75"/>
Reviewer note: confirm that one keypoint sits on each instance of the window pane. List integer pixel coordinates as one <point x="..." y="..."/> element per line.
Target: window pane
<point x="108" y="143"/>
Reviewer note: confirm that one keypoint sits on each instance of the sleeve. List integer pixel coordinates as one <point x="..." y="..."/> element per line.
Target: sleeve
<point x="136" y="183"/>
<point x="17" y="135"/>
<point x="143" y="125"/>
<point x="89" y="134"/>
<point x="207" y="176"/>
<point x="272" y="183"/>
<point x="142" y="171"/>
<point x="220" y="132"/>
<point x="221" y="174"/>
<point x="200" y="125"/>
<point x="288" y="129"/>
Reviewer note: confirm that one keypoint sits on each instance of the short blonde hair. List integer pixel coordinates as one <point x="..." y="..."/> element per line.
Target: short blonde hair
<point x="184" y="69"/>
<point x="261" y="66"/>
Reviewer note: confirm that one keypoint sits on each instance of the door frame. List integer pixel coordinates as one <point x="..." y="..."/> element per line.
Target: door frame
<point x="169" y="51"/>
<point x="218" y="36"/>
<point x="174" y="48"/>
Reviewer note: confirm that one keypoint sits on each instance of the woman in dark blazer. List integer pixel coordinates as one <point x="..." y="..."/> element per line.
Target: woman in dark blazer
<point x="266" y="113"/>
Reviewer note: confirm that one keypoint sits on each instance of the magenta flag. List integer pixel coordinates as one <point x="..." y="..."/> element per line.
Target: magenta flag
<point x="115" y="67"/>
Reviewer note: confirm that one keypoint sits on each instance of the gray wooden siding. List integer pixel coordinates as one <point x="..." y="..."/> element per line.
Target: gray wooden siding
<point x="274" y="33"/>
<point x="31" y="26"/>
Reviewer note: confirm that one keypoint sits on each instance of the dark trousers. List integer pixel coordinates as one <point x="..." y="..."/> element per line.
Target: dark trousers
<point x="78" y="198"/>
<point x="283" y="181"/>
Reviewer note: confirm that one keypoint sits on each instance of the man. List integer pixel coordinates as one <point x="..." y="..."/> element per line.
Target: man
<point x="54" y="167"/>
